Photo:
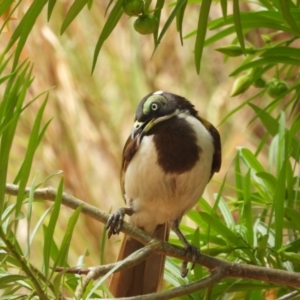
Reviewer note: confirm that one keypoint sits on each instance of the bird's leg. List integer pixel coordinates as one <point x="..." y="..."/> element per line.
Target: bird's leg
<point x="114" y="222"/>
<point x="188" y="248"/>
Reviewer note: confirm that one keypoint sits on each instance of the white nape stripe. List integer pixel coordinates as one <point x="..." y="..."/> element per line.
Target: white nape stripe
<point x="158" y="93"/>
<point x="163" y="118"/>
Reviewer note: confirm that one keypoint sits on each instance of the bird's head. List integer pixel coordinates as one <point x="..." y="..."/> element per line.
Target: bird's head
<point x="157" y="107"/>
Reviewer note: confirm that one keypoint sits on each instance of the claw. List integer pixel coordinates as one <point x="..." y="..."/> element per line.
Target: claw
<point x="184" y="270"/>
<point x="195" y="252"/>
<point x="115" y="221"/>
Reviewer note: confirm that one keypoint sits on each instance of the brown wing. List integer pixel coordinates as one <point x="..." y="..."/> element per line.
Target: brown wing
<point x="130" y="148"/>
<point x="217" y="157"/>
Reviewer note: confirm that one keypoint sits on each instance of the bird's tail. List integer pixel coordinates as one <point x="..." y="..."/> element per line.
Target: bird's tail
<point x="144" y="278"/>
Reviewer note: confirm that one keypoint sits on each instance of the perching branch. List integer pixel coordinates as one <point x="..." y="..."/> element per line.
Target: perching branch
<point x="224" y="269"/>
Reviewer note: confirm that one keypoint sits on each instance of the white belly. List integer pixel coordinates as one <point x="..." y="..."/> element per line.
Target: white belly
<point x="157" y="197"/>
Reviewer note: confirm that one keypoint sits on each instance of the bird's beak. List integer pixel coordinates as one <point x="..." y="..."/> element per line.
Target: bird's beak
<point x="140" y="127"/>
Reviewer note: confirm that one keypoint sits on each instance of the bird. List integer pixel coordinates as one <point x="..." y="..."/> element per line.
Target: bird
<point x="167" y="161"/>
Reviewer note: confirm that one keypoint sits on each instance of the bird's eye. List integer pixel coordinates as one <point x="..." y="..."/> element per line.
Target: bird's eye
<point x="154" y="106"/>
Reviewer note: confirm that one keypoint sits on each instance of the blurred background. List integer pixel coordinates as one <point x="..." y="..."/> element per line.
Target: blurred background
<point x="92" y="114"/>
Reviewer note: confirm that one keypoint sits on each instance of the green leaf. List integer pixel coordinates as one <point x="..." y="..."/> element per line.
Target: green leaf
<point x="224" y="8"/>
<point x="294" y="216"/>
<point x="271" y="61"/>
<point x="24" y="172"/>
<point x="35" y="230"/>
<point x="74" y="10"/>
<point x="262" y="186"/>
<point x="227" y="215"/>
<point x="10" y="110"/>
<point x="90" y="3"/>
<point x="157" y="12"/>
<point x="238" y="179"/>
<point x="51" y="4"/>
<point x="267" y="4"/>
<point x="279" y="201"/>
<point x="49" y="231"/>
<point x="247" y="209"/>
<point x="5" y="5"/>
<point x="237" y="23"/>
<point x="295" y="245"/>
<point x="240" y="85"/>
<point x="234" y="50"/>
<point x="180" y="4"/>
<point x="230" y="236"/>
<point x="179" y="20"/>
<point x="24" y="28"/>
<point x="269" y="180"/>
<point x="293" y="257"/>
<point x="11" y="279"/>
<point x="29" y="213"/>
<point x="282" y="51"/>
<point x="262" y="245"/>
<point x="251" y="160"/>
<point x="172" y="269"/>
<point x="57" y="283"/>
<point x="66" y="242"/>
<point x="249" y="19"/>
<point x="285" y="9"/>
<point x="108" y="27"/>
<point x="8" y="8"/>
<point x="201" y="32"/>
<point x="272" y="125"/>
<point x="102" y="246"/>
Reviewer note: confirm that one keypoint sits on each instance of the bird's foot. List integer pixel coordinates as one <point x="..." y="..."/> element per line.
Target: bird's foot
<point x="115" y="221"/>
<point x="189" y="249"/>
<point x="194" y="252"/>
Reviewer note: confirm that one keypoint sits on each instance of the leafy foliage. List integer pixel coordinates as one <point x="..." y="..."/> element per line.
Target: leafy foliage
<point x="254" y="221"/>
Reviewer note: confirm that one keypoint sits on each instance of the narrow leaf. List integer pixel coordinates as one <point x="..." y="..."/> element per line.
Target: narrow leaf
<point x="224" y="8"/>
<point x="157" y="12"/>
<point x="179" y="5"/>
<point x="279" y="200"/>
<point x="24" y="172"/>
<point x="237" y="23"/>
<point x="11" y="279"/>
<point x="201" y="32"/>
<point x="66" y="242"/>
<point x="179" y="20"/>
<point x="49" y="232"/>
<point x="272" y="126"/>
<point x="74" y="10"/>
<point x="285" y="9"/>
<point x="230" y="236"/>
<point x="294" y="216"/>
<point x="5" y="5"/>
<point x="247" y="209"/>
<point x="10" y="109"/>
<point x="24" y="28"/>
<point x="51" y="5"/>
<point x="238" y="179"/>
<point x="108" y="27"/>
